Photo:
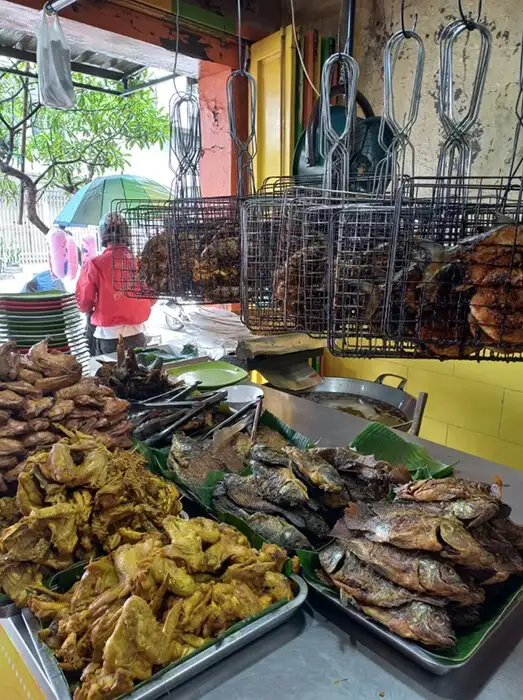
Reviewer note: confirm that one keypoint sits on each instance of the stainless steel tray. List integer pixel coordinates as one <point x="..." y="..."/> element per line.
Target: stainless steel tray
<point x="8" y="609"/>
<point x="157" y="687"/>
<point x="418" y="654"/>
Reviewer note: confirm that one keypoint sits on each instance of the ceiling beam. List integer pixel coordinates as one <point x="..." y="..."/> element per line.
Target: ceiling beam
<point x="123" y="33"/>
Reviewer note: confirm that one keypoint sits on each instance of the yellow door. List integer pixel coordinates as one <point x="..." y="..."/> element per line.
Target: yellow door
<point x="273" y="67"/>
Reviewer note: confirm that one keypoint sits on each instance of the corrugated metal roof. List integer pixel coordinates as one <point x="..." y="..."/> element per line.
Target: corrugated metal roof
<point x="14" y="44"/>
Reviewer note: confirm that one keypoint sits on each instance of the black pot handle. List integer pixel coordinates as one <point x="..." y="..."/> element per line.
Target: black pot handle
<point x="312" y="126"/>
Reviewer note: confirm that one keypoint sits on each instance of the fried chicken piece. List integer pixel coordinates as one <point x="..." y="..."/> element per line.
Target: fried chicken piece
<point x="28" y="495"/>
<point x="22" y="542"/>
<point x="41" y="438"/>
<point x="9" y="512"/>
<point x="113" y="406"/>
<point x="32" y="408"/>
<point x="61" y="468"/>
<point x="86" y="385"/>
<point x="8" y="462"/>
<point x="88" y="401"/>
<point x="18" y="578"/>
<point x="22" y="388"/>
<point x="176" y="578"/>
<point x="99" y="576"/>
<point x="60" y="409"/>
<point x="11" y="400"/>
<point x="52" y="363"/>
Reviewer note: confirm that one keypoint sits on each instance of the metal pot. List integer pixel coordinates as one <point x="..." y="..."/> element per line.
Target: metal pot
<point x="408" y="409"/>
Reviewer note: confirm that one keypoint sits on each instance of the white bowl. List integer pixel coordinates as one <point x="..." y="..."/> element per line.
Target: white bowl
<point x="240" y="394"/>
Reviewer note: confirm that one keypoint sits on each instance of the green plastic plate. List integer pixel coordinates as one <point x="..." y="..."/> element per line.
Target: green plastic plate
<point x="212" y="375"/>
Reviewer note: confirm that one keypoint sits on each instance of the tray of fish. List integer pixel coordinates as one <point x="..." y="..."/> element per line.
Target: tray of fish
<point x="165" y="681"/>
<point x="434" y="572"/>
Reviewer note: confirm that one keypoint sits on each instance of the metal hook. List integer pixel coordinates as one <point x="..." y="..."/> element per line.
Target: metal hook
<point x="406" y="32"/>
<point x="467" y="20"/>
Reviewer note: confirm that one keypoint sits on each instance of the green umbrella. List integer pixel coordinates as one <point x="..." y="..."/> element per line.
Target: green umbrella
<point x="88" y="205"/>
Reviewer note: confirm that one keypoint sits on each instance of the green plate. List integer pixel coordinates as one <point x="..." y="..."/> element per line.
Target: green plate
<point x="212" y="375"/>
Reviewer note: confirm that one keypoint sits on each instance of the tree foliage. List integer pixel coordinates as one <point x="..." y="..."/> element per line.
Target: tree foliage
<point x="67" y="149"/>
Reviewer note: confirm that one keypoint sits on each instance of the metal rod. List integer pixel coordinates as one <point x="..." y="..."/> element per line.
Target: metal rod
<point x="83" y="86"/>
<point x="147" y="84"/>
<point x="11" y="52"/>
<point x="55" y="6"/>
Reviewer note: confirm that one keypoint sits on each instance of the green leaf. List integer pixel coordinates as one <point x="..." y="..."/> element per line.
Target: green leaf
<point x="382" y="442"/>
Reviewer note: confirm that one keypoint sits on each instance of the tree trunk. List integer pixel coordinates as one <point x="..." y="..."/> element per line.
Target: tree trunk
<point x="31" y="195"/>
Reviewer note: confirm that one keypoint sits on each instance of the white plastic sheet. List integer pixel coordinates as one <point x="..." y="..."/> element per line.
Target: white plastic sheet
<point x="55" y="81"/>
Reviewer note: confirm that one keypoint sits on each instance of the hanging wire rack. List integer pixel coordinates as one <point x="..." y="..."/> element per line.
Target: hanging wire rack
<point x="360" y="240"/>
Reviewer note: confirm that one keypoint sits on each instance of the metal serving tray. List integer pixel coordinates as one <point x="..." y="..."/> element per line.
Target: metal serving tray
<point x="415" y="652"/>
<point x="165" y="682"/>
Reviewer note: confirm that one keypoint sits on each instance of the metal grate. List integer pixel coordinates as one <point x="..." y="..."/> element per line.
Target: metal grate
<point x="455" y="283"/>
<point x="360" y="244"/>
<point x="186" y="249"/>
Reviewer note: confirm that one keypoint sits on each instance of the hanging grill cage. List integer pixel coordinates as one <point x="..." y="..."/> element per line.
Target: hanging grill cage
<point x="360" y="239"/>
<point x="285" y="265"/>
<point x="143" y="267"/>
<point x="454" y="286"/>
<point x="182" y="249"/>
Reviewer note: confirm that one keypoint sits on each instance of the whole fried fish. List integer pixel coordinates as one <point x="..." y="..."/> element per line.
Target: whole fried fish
<point x="462" y="548"/>
<point x="279" y="485"/>
<point x="243" y="491"/>
<point x="315" y="469"/>
<point x="269" y="455"/>
<point x="362" y="583"/>
<point x="278" y="531"/>
<point x="420" y="622"/>
<point x="366" y="467"/>
<point x="305" y="518"/>
<point x="474" y="510"/>
<point x="510" y="531"/>
<point x="415" y="571"/>
<point x="448" y="489"/>
<point x="221" y="502"/>
<point x="410" y="530"/>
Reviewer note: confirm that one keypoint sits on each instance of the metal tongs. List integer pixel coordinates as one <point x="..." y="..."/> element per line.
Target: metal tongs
<point x="211" y="400"/>
<point x="239" y="417"/>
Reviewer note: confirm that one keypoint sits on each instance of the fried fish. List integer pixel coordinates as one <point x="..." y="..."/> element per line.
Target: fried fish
<point x="415" y="571"/>
<point x="315" y="469"/>
<point x="278" y="531"/>
<point x="448" y="489"/>
<point x="361" y="583"/>
<point x="420" y="622"/>
<point x="279" y="484"/>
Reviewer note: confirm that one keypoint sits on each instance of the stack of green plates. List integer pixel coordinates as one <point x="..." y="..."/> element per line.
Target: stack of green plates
<point x="28" y="318"/>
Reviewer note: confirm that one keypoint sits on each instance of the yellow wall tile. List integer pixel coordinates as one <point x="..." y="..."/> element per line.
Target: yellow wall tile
<point x="458" y="402"/>
<point x="511" y="427"/>
<point x="431" y="366"/>
<point x="434" y="430"/>
<point x="507" y="374"/>
<point x="363" y="369"/>
<point x="490" y="448"/>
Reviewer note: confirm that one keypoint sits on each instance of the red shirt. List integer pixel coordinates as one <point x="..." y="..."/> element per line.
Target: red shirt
<point x="95" y="290"/>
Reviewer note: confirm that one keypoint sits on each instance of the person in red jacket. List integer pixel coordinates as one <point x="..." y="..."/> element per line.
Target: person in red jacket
<point x="112" y="312"/>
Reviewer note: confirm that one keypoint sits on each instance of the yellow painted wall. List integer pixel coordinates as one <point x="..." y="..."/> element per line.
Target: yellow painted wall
<point x="474" y="407"/>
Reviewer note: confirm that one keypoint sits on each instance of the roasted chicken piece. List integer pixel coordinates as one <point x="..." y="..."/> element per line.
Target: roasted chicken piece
<point x="9" y="361"/>
<point x="9" y="446"/>
<point x="11" y="400"/>
<point x="32" y="408"/>
<point x="52" y="363"/>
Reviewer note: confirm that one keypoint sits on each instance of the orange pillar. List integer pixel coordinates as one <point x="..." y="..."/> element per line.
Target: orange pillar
<point x="216" y="164"/>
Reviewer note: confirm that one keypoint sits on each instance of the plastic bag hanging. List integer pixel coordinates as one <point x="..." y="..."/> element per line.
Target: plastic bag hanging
<point x="55" y="81"/>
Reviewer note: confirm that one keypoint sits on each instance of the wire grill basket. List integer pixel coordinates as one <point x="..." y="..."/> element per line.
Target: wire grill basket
<point x="455" y="283"/>
<point x="187" y="249"/>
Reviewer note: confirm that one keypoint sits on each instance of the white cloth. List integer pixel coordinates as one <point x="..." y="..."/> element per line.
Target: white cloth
<point x="114" y="332"/>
